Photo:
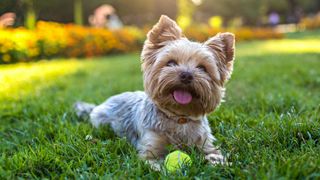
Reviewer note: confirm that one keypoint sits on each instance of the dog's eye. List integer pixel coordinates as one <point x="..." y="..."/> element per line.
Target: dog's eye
<point x="172" y="62"/>
<point x="202" y="68"/>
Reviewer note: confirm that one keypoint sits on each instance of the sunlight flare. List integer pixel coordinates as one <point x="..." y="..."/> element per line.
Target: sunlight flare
<point x="19" y="79"/>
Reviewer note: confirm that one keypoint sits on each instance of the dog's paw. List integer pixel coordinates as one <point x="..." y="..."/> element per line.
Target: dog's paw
<point x="215" y="159"/>
<point x="154" y="164"/>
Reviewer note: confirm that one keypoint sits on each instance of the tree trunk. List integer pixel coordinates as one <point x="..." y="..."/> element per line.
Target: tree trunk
<point x="292" y="16"/>
<point x="186" y="10"/>
<point x="30" y="20"/>
<point x="78" y="12"/>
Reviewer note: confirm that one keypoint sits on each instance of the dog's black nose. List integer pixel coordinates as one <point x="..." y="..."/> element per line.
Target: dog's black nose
<point x="186" y="77"/>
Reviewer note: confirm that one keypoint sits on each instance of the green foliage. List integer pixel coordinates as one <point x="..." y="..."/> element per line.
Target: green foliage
<point x="50" y="40"/>
<point x="143" y="12"/>
<point x="268" y="126"/>
<point x="7" y="5"/>
<point x="253" y="12"/>
<point x="78" y="12"/>
<point x="185" y="13"/>
<point x="30" y="19"/>
<point x="230" y="9"/>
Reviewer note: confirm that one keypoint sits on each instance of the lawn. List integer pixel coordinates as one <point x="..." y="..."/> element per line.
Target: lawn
<point x="269" y="126"/>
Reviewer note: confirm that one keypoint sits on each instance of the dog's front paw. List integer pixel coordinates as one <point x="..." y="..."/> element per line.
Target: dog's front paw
<point x="154" y="164"/>
<point x="215" y="159"/>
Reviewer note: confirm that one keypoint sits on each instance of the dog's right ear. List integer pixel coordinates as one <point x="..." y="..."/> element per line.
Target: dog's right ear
<point x="165" y="30"/>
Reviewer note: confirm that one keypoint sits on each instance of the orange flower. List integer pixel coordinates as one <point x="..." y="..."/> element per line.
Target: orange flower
<point x="51" y="39"/>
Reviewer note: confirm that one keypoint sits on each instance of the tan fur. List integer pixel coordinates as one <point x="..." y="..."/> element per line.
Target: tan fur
<point x="222" y="45"/>
<point x="165" y="42"/>
<point x="164" y="30"/>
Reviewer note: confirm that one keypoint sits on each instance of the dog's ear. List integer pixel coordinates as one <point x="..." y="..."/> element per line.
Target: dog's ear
<point x="165" y="30"/>
<point x="223" y="46"/>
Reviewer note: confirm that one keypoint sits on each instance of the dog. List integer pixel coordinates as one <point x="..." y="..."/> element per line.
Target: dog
<point x="183" y="81"/>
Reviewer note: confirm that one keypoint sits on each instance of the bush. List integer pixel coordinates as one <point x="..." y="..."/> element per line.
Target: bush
<point x="202" y="33"/>
<point x="51" y="39"/>
<point x="18" y="44"/>
<point x="311" y="23"/>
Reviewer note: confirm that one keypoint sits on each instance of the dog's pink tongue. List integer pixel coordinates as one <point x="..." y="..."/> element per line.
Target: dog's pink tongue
<point x="182" y="97"/>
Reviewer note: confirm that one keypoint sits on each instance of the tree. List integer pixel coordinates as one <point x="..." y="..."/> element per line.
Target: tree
<point x="7" y="6"/>
<point x="250" y="10"/>
<point x="30" y="19"/>
<point x="185" y="13"/>
<point x="78" y="12"/>
<point x="253" y="11"/>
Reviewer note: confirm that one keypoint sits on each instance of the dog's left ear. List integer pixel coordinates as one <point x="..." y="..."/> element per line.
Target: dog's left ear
<point x="222" y="45"/>
<point x="165" y="30"/>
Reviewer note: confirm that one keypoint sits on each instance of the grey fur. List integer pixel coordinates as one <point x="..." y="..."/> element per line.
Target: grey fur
<point x="83" y="109"/>
<point x="133" y="115"/>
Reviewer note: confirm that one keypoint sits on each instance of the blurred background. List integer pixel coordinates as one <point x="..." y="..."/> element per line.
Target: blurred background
<point x="146" y="12"/>
<point x="35" y="29"/>
<point x="56" y="52"/>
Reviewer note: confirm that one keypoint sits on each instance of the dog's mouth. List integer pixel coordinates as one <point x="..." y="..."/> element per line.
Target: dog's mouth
<point x="182" y="97"/>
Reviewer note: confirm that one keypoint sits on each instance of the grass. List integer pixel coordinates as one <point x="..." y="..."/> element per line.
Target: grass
<point x="268" y="126"/>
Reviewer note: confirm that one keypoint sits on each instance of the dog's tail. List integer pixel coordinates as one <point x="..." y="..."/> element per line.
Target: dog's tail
<point x="83" y="109"/>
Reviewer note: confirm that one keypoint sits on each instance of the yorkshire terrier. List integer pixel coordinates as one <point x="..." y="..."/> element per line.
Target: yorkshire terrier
<point x="183" y="82"/>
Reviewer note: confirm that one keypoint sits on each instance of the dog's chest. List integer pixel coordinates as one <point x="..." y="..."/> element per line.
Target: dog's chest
<point x="187" y="134"/>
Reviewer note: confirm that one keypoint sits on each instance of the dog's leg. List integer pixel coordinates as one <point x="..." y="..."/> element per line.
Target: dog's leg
<point x="152" y="148"/>
<point x="212" y="154"/>
<point x="101" y="114"/>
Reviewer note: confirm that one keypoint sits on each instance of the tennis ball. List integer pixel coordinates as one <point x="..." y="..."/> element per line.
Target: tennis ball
<point x="176" y="160"/>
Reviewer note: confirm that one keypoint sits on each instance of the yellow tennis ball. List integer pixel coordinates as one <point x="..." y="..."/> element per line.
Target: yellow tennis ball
<point x="177" y="159"/>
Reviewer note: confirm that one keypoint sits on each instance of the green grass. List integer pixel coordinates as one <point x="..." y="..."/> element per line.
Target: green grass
<point x="269" y="125"/>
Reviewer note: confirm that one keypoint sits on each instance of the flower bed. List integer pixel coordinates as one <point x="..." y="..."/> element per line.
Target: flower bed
<point x="59" y="40"/>
<point x="311" y="23"/>
<point x="51" y="39"/>
<point x="202" y="33"/>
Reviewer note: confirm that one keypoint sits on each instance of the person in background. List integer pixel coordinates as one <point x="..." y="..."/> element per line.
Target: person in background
<point x="7" y="19"/>
<point x="274" y="19"/>
<point x="105" y="17"/>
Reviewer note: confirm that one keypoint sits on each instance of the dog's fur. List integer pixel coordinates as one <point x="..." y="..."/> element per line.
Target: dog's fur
<point x="151" y="120"/>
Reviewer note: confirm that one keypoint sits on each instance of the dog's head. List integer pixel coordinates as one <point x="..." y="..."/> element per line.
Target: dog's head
<point x="184" y="77"/>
